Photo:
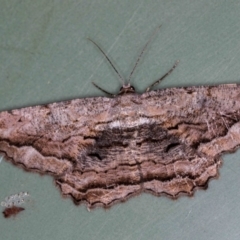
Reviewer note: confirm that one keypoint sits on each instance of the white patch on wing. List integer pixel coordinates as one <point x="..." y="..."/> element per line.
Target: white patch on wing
<point x="116" y="124"/>
<point x="133" y="123"/>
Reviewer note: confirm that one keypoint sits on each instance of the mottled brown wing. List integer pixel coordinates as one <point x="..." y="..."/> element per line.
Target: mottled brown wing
<point x="200" y="124"/>
<point x="48" y="138"/>
<point x="102" y="150"/>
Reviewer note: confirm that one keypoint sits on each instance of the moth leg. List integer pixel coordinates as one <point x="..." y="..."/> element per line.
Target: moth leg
<point x="165" y="75"/>
<point x="112" y="95"/>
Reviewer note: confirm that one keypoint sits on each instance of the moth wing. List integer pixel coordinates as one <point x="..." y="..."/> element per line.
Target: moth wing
<point x="45" y="138"/>
<point x="200" y="124"/>
<point x="103" y="150"/>
<point x="206" y="117"/>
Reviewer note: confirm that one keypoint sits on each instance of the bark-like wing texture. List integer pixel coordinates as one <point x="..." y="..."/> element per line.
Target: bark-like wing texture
<point x="49" y="138"/>
<point x="103" y="150"/>
<point x="200" y="124"/>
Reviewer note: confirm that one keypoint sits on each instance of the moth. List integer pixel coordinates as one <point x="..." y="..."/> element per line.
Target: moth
<point x="103" y="150"/>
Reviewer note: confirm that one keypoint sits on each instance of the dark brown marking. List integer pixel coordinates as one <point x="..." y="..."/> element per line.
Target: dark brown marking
<point x="12" y="211"/>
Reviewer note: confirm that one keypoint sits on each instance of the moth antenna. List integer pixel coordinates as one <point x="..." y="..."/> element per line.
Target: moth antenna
<point x="112" y="95"/>
<point x="105" y="55"/>
<point x="165" y="75"/>
<point x="143" y="50"/>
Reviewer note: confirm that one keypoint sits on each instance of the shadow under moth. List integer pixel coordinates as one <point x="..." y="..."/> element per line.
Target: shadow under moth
<point x="103" y="150"/>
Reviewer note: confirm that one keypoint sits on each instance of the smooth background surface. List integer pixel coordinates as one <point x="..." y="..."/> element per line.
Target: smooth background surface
<point x="45" y="57"/>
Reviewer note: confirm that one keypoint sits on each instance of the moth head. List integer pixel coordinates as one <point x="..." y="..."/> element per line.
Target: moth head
<point x="126" y="89"/>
